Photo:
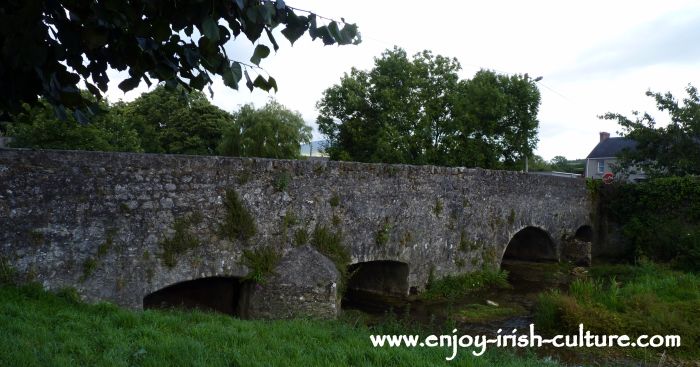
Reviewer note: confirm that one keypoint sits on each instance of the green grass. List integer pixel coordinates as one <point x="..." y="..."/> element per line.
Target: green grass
<point x="633" y="300"/>
<point x="42" y="329"/>
<point x="456" y="286"/>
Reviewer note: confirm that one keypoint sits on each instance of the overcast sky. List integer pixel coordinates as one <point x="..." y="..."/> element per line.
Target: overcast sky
<point x="594" y="56"/>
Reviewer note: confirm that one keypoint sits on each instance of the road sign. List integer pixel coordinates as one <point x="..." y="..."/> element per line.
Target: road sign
<point x="608" y="178"/>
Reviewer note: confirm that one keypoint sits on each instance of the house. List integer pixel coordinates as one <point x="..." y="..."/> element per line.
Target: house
<point x="603" y="157"/>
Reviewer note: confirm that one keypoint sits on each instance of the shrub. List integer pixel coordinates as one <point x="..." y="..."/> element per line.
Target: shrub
<point x="182" y="240"/>
<point x="261" y="262"/>
<point x="330" y="244"/>
<point x="238" y="223"/>
<point x="660" y="218"/>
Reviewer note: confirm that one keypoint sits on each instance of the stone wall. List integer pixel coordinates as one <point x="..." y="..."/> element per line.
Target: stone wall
<point x="98" y="221"/>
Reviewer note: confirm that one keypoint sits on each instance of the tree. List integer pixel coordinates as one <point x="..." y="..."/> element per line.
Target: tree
<point x="169" y="122"/>
<point x="418" y="111"/>
<point x="559" y="163"/>
<point x="38" y="127"/>
<point x="671" y="150"/>
<point x="538" y="164"/>
<point x="48" y="47"/>
<point x="272" y="131"/>
<point x="498" y="115"/>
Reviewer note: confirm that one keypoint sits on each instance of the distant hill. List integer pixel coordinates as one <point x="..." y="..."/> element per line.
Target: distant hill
<point x="315" y="149"/>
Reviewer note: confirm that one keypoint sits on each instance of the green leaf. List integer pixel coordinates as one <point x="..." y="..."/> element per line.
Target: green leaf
<point x="350" y="35"/>
<point x="210" y="29"/>
<point x="248" y="82"/>
<point x="261" y="83"/>
<point x="295" y="26"/>
<point x="272" y="83"/>
<point x="335" y="32"/>
<point x="280" y="4"/>
<point x="261" y="52"/>
<point x="129" y="84"/>
<point x="233" y="75"/>
<point x="325" y="35"/>
<point x="292" y="33"/>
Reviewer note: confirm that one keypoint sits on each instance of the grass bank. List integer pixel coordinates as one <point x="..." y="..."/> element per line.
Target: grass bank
<point x="634" y="300"/>
<point x="452" y="287"/>
<point x="44" y="329"/>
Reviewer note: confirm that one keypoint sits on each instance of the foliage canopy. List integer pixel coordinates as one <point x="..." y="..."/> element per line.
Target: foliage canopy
<point x="48" y="47"/>
<point x="418" y="111"/>
<point x="671" y="150"/>
<point x="272" y="131"/>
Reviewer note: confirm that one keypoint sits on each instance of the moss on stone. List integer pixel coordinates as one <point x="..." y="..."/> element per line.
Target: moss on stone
<point x="382" y="236"/>
<point x="511" y="217"/>
<point x="105" y="246"/>
<point x="334" y="201"/>
<point x="182" y="240"/>
<point x="123" y="208"/>
<point x="463" y="242"/>
<point x="238" y="223"/>
<point x="89" y="267"/>
<point x="437" y="209"/>
<point x="36" y="237"/>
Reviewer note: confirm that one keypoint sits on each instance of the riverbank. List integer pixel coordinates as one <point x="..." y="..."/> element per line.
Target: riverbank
<point x="44" y="329"/>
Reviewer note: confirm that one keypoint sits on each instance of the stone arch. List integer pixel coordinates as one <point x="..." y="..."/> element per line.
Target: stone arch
<point x="385" y="277"/>
<point x="584" y="233"/>
<point x="531" y="244"/>
<point x="229" y="295"/>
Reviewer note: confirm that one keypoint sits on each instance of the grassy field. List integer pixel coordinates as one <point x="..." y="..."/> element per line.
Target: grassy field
<point x="43" y="329"/>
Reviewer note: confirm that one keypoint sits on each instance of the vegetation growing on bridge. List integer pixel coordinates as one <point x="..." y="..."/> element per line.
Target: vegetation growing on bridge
<point x="382" y="236"/>
<point x="261" y="262"/>
<point x="238" y="224"/>
<point x="90" y="264"/>
<point x="182" y="240"/>
<point x="330" y="244"/>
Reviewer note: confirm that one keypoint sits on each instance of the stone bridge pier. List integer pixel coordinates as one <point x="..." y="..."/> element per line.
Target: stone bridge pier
<point x="271" y="238"/>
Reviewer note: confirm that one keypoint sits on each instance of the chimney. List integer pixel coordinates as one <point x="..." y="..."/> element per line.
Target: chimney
<point x="603" y="136"/>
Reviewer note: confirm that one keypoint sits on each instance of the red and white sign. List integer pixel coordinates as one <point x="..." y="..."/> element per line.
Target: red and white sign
<point x="608" y="177"/>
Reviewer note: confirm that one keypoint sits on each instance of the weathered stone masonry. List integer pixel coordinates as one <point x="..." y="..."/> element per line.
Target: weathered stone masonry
<point x="96" y="221"/>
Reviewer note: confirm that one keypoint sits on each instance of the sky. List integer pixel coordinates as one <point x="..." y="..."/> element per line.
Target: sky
<point x="594" y="56"/>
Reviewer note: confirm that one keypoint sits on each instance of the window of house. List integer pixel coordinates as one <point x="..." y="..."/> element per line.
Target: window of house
<point x="601" y="166"/>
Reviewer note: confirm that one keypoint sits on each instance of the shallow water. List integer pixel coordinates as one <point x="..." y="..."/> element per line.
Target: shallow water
<point x="527" y="279"/>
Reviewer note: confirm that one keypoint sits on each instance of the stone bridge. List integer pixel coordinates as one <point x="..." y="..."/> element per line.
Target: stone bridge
<point x="270" y="238"/>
